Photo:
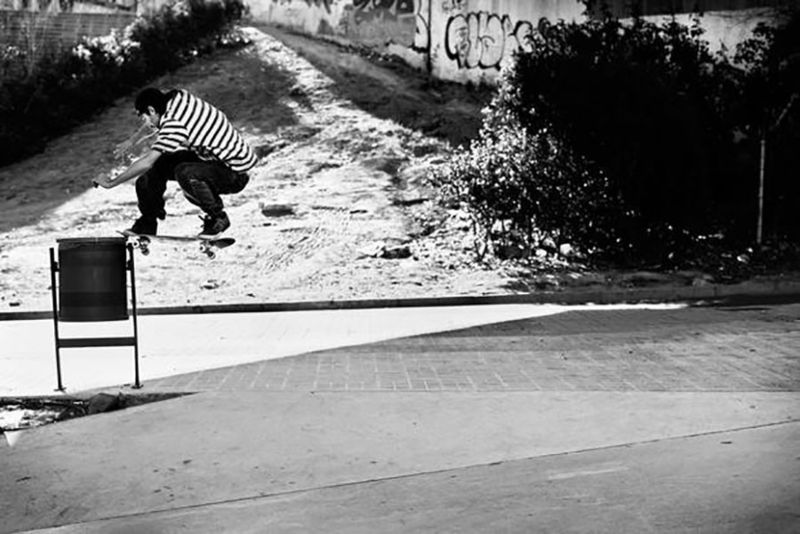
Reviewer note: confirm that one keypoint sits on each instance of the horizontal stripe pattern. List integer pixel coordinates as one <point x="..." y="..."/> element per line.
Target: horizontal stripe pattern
<point x="190" y="123"/>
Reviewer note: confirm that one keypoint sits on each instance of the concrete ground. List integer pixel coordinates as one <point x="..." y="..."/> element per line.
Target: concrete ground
<point x="508" y="418"/>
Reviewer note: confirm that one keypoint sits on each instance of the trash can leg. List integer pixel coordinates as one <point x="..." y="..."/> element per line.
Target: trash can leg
<point x="53" y="269"/>
<point x="136" y="384"/>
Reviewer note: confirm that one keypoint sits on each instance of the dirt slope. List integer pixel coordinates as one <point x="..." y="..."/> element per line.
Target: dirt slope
<point x="345" y="145"/>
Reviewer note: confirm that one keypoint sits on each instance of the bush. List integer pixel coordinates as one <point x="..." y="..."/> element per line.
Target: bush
<point x="645" y="103"/>
<point x="44" y="98"/>
<point x="631" y="141"/>
<point x="527" y="190"/>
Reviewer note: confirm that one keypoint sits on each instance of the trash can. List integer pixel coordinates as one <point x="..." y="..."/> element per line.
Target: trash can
<point x="92" y="279"/>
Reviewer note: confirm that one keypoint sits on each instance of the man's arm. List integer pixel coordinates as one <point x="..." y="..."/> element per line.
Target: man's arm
<point x="137" y="168"/>
<point x="122" y="150"/>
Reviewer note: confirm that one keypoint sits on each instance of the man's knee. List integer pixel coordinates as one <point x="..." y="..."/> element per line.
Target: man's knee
<point x="240" y="182"/>
<point x="194" y="188"/>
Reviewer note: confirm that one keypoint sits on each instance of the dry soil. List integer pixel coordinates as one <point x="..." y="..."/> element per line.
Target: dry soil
<point x="338" y="207"/>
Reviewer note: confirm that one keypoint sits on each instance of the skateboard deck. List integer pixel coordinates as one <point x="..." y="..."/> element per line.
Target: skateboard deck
<point x="207" y="244"/>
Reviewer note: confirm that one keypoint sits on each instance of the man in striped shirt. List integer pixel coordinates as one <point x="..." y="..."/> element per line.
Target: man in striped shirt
<point x="195" y="145"/>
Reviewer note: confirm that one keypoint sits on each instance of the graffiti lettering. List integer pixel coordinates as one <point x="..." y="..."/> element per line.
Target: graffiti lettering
<point x="422" y="34"/>
<point x="482" y="40"/>
<point x="523" y="35"/>
<point x="453" y="5"/>
<point x="378" y="10"/>
<point x="311" y="3"/>
<point x="395" y="6"/>
<point x="381" y="21"/>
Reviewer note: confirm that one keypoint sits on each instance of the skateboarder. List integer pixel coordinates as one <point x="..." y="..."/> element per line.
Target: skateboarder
<point x="195" y="145"/>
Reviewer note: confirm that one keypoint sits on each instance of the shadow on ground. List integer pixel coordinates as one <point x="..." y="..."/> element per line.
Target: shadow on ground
<point x="247" y="89"/>
<point x="390" y="89"/>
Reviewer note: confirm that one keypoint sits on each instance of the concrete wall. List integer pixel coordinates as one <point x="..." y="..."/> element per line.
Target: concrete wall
<point x="72" y="6"/>
<point x="36" y="23"/>
<point x="40" y="24"/>
<point x="147" y="7"/>
<point x="725" y="29"/>
<point x="33" y="30"/>
<point x="387" y="25"/>
<point x="470" y="40"/>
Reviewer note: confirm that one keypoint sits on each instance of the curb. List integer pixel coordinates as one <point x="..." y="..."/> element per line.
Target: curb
<point x="713" y="294"/>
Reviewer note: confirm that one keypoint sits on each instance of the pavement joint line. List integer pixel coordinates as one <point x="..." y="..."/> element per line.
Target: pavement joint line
<point x="405" y="476"/>
<point x="660" y="440"/>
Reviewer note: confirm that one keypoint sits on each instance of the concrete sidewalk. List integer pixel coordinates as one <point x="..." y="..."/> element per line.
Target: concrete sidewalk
<point x="507" y="419"/>
<point x="171" y="345"/>
<point x="732" y="482"/>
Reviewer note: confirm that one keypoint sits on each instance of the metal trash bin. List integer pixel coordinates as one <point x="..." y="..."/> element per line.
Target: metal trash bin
<point x="92" y="279"/>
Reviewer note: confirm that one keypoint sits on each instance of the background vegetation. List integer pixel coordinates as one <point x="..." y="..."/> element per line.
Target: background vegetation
<point x="632" y="144"/>
<point x="43" y="95"/>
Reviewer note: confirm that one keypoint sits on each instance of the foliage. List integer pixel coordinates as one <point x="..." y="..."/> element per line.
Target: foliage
<point x="770" y="111"/>
<point x="63" y="87"/>
<point x="632" y="142"/>
<point x="645" y="104"/>
<point x="526" y="190"/>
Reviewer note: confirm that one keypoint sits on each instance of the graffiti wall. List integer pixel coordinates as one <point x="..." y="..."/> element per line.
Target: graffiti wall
<point x="380" y="21"/>
<point x="388" y="25"/>
<point x="363" y="20"/>
<point x="470" y="40"/>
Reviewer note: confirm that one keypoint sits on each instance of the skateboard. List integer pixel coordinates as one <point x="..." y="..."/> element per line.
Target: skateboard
<point x="207" y="245"/>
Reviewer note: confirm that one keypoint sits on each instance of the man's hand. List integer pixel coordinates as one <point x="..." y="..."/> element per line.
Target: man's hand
<point x="103" y="180"/>
<point x="136" y="169"/>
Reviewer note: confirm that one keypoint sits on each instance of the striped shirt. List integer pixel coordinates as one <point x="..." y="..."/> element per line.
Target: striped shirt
<point x="190" y="123"/>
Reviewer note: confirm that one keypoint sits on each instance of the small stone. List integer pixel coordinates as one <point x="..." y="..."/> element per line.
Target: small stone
<point x="277" y="210"/>
<point x="371" y="251"/>
<point x="396" y="253"/>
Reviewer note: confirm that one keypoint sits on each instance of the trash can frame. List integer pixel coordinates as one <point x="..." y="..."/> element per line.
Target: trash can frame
<point x="99" y="341"/>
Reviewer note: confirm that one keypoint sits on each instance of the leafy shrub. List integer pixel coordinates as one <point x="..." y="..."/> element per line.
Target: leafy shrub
<point x="629" y="141"/>
<point x="525" y="189"/>
<point x="62" y="88"/>
<point x="643" y="102"/>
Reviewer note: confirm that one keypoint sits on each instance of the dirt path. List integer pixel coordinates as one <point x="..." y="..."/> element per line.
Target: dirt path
<point x="345" y="145"/>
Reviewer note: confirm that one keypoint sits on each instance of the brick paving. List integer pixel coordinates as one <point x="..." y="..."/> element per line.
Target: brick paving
<point x="691" y="349"/>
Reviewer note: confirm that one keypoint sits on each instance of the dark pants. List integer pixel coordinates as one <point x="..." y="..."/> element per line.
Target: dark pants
<point x="202" y="183"/>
